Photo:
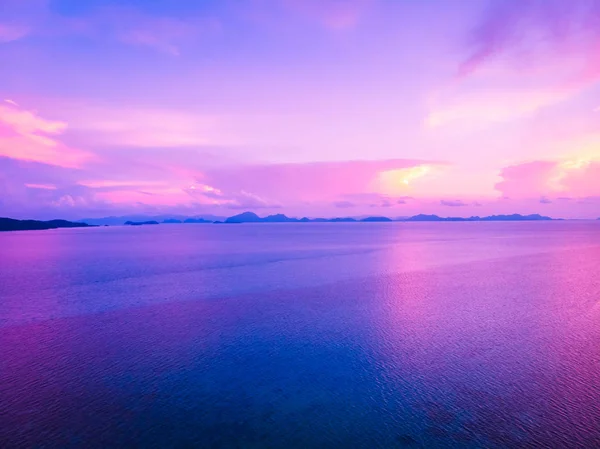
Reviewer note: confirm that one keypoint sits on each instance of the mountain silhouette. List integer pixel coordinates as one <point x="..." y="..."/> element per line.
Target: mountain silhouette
<point x="341" y="220"/>
<point x="196" y="220"/>
<point x="141" y="223"/>
<point x="251" y="217"/>
<point x="244" y="217"/>
<point x="9" y="224"/>
<point x="513" y="217"/>
<point x="279" y="218"/>
<point x="377" y="219"/>
<point x="170" y="218"/>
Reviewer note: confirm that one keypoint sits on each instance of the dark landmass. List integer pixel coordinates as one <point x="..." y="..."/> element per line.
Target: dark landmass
<point x="251" y="217"/>
<point x="513" y="217"/>
<point x="425" y="217"/>
<point x="341" y="220"/>
<point x="279" y="218"/>
<point x="516" y="217"/>
<point x="245" y="217"/>
<point x="197" y="220"/>
<point x="119" y="220"/>
<point x="377" y="219"/>
<point x="141" y="223"/>
<point x="9" y="224"/>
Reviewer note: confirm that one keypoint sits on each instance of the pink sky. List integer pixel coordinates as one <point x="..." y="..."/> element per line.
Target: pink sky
<point x="303" y="107"/>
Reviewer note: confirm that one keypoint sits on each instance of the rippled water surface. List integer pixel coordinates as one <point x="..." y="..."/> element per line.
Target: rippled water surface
<point x="302" y="335"/>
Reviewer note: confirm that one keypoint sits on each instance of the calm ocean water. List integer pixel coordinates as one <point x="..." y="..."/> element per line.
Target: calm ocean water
<point x="302" y="335"/>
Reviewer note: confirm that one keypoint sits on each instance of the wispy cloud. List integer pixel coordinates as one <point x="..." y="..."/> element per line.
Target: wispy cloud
<point x="167" y="34"/>
<point x="119" y="185"/>
<point x="551" y="179"/>
<point x="538" y="29"/>
<point x="41" y="186"/>
<point x="404" y="199"/>
<point x="373" y="200"/>
<point x="9" y="33"/>
<point x="453" y="203"/>
<point x="494" y="106"/>
<point x="523" y="57"/>
<point x="344" y="204"/>
<point x="145" y="127"/>
<point x="319" y="181"/>
<point x="21" y="18"/>
<point x="332" y="14"/>
<point x="26" y="135"/>
<point x="163" y="33"/>
<point x="30" y="125"/>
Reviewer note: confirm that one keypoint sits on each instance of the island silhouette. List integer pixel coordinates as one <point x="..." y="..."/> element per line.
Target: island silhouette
<point x="141" y="223"/>
<point x="9" y="224"/>
<point x="252" y="217"/>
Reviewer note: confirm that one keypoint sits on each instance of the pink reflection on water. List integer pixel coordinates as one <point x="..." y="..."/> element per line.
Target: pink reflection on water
<point x="483" y="340"/>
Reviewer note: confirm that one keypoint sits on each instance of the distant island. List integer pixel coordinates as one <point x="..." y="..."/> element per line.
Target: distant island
<point x="9" y="224"/>
<point x="377" y="219"/>
<point x="187" y="220"/>
<point x="251" y="217"/>
<point x="198" y="220"/>
<point x="166" y="218"/>
<point x="513" y="217"/>
<point x="141" y="223"/>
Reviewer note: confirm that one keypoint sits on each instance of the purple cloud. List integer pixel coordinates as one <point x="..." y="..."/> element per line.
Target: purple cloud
<point x="404" y="199"/>
<point x="344" y="204"/>
<point x="166" y="34"/>
<point x="11" y="32"/>
<point x="513" y="26"/>
<point x="189" y="181"/>
<point x="543" y="179"/>
<point x="453" y="203"/>
<point x="128" y="25"/>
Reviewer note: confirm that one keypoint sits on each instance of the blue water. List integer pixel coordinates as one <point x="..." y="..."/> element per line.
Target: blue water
<point x="302" y="335"/>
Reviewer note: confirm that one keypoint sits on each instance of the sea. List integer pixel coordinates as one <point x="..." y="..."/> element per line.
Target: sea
<point x="302" y="335"/>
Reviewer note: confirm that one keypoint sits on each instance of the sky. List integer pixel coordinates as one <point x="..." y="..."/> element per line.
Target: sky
<point x="302" y="107"/>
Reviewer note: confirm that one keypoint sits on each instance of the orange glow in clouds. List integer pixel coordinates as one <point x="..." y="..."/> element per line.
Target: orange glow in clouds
<point x="566" y="168"/>
<point x="398" y="181"/>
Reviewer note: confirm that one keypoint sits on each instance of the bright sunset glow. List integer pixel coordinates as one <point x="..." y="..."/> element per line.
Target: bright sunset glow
<point x="398" y="181"/>
<point x="301" y="107"/>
